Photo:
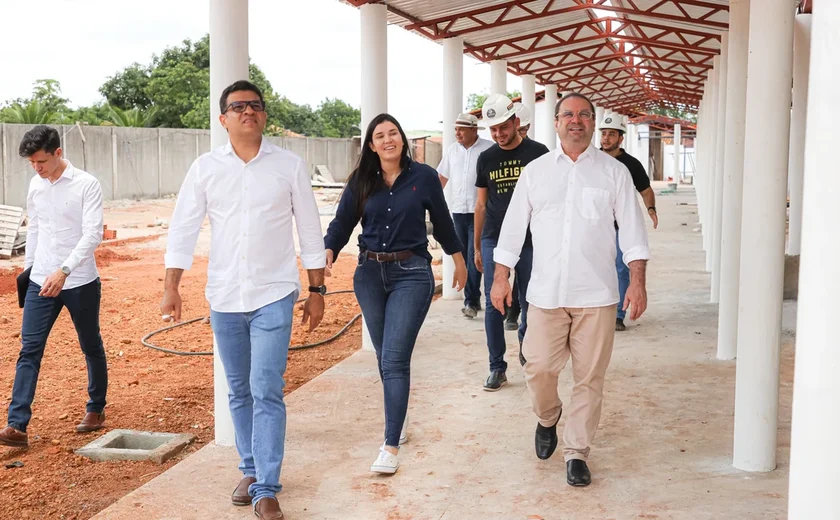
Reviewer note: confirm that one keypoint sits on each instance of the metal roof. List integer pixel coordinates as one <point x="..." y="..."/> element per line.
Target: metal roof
<point x="626" y="55"/>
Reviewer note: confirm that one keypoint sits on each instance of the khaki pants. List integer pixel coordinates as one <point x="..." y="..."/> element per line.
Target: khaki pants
<point x="554" y="335"/>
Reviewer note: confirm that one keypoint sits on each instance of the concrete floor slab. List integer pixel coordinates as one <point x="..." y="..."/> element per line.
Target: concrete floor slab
<point x="663" y="450"/>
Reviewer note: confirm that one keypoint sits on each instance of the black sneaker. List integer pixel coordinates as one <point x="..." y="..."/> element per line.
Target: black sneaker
<point x="495" y="381"/>
<point x="469" y="312"/>
<point x="511" y="325"/>
<point x="619" y="325"/>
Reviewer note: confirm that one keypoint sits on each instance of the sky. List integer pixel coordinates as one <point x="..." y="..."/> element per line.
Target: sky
<point x="308" y="49"/>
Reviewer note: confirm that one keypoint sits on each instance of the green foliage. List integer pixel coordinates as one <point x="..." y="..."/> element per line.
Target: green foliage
<point x="135" y="117"/>
<point x="127" y="89"/>
<point x="338" y="119"/>
<point x="475" y="101"/>
<point x="672" y="112"/>
<point x="31" y="113"/>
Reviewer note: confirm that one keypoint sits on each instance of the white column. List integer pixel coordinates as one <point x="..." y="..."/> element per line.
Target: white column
<point x="677" y="153"/>
<point x="529" y="99"/>
<point x="698" y="174"/>
<point x="228" y="58"/>
<point x="596" y="137"/>
<point x="549" y="137"/>
<point x="630" y="140"/>
<point x="228" y="63"/>
<point x="374" y="29"/>
<point x="498" y="77"/>
<point x="711" y="152"/>
<point x="374" y="67"/>
<point x="733" y="180"/>
<point x="720" y="154"/>
<point x="453" y="100"/>
<point x="643" y="134"/>
<point x="767" y="131"/>
<point x="814" y="451"/>
<point x="801" y="66"/>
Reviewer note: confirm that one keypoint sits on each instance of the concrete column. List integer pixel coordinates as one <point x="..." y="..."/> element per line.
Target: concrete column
<point x="228" y="58"/>
<point x="498" y="77"/>
<point x="596" y="137"/>
<point x="767" y="131"/>
<point x="549" y="136"/>
<point x="801" y="66"/>
<point x="453" y="101"/>
<point x="643" y="132"/>
<point x="677" y="153"/>
<point x="733" y="178"/>
<point x="720" y="146"/>
<point x="711" y="152"/>
<point x="814" y="451"/>
<point x="374" y="43"/>
<point x="698" y="173"/>
<point x="228" y="63"/>
<point x="630" y="140"/>
<point x="529" y="99"/>
<point x="374" y="29"/>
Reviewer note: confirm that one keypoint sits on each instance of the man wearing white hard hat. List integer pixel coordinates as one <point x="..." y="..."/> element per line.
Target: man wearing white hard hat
<point x="612" y="135"/>
<point x="458" y="166"/>
<point x="498" y="171"/>
<point x="525" y="118"/>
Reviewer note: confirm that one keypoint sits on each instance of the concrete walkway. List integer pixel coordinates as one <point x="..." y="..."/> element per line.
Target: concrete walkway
<point x="663" y="450"/>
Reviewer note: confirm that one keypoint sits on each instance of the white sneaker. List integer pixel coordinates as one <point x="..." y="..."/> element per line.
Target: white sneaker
<point x="404" y="433"/>
<point x="386" y="462"/>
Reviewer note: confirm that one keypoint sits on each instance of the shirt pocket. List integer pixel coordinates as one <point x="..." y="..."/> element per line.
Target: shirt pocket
<point x="595" y="204"/>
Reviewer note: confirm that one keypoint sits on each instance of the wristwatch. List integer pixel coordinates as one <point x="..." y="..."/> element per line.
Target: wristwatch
<point x="652" y="208"/>
<point x="320" y="289"/>
<point x="65" y="270"/>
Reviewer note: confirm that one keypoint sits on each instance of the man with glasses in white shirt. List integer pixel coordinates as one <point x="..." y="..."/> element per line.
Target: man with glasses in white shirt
<point x="459" y="166"/>
<point x="250" y="190"/>
<point x="571" y="199"/>
<point x="64" y="207"/>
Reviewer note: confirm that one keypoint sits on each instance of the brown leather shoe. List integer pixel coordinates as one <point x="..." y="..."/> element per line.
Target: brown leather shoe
<point x="268" y="508"/>
<point x="92" y="422"/>
<point x="14" y="438"/>
<point x="240" y="496"/>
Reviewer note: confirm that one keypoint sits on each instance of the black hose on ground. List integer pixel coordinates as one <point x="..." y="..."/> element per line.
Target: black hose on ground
<point x="332" y="338"/>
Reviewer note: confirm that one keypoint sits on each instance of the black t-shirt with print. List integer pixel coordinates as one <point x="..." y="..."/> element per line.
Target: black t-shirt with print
<point x="498" y="170"/>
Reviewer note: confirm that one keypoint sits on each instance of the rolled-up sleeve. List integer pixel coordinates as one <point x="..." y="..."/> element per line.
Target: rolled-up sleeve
<point x="632" y="235"/>
<point x="341" y="227"/>
<point x="308" y="221"/>
<point x="185" y="226"/>
<point x="443" y="228"/>
<point x="515" y="224"/>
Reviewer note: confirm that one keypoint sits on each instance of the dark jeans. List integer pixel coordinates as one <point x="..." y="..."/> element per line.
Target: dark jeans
<point x="515" y="309"/>
<point x="464" y="225"/>
<point x="494" y="321"/>
<point x="394" y="297"/>
<point x="39" y="315"/>
<point x="623" y="279"/>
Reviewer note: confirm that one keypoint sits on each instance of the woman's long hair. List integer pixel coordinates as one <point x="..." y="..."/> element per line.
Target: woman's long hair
<point x="366" y="179"/>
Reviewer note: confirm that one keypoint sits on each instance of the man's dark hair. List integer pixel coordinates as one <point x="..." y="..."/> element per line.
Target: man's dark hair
<point x="573" y="95"/>
<point x="239" y="86"/>
<point x="42" y="137"/>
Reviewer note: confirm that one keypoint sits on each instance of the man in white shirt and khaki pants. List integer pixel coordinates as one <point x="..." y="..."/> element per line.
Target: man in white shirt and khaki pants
<point x="571" y="199"/>
<point x="64" y="207"/>
<point x="250" y="190"/>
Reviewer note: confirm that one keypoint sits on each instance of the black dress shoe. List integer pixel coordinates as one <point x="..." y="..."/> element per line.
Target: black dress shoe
<point x="521" y="357"/>
<point x="619" y="325"/>
<point x="577" y="473"/>
<point x="496" y="380"/>
<point x="545" y="440"/>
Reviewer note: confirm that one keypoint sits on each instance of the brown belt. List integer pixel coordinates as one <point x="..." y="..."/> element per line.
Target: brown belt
<point x="397" y="256"/>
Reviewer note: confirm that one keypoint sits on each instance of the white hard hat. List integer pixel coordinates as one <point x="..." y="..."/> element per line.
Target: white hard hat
<point x="497" y="109"/>
<point x="614" y="122"/>
<point x="467" y="120"/>
<point x="523" y="113"/>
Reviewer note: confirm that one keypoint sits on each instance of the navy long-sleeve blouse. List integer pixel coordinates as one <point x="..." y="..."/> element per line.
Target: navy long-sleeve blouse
<point x="394" y="219"/>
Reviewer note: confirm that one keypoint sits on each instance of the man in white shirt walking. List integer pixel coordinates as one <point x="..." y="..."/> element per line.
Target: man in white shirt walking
<point x="458" y="166"/>
<point x="571" y="199"/>
<point x="250" y="190"/>
<point x="64" y="207"/>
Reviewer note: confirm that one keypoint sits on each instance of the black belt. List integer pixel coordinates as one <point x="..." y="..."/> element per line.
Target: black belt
<point x="397" y="256"/>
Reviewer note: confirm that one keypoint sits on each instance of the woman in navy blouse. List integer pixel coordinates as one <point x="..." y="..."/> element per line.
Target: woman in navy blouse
<point x="393" y="281"/>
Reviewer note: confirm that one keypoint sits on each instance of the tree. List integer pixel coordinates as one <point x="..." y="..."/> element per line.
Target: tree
<point x="127" y="89"/>
<point x="32" y="113"/>
<point x="675" y="113"/>
<point x="475" y="101"/>
<point x="338" y="119"/>
<point x="135" y="117"/>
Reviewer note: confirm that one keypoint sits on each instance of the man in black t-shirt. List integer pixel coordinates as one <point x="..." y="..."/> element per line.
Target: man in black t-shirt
<point x="497" y="172"/>
<point x="612" y="135"/>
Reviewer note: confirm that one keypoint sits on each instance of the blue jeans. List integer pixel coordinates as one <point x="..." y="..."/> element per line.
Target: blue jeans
<point x="254" y="347"/>
<point x="623" y="279"/>
<point x="494" y="321"/>
<point x="39" y="315"/>
<point x="394" y="297"/>
<point x="464" y="226"/>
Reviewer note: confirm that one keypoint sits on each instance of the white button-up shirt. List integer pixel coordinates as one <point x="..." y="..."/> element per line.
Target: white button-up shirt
<point x="65" y="226"/>
<point x="250" y="206"/>
<point x="571" y="208"/>
<point x="458" y="165"/>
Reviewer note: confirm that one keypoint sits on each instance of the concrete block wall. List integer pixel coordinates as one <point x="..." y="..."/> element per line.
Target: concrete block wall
<point x="134" y="163"/>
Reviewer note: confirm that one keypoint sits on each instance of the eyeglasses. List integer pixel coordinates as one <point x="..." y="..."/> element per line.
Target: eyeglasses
<point x="240" y="106"/>
<point x="586" y="115"/>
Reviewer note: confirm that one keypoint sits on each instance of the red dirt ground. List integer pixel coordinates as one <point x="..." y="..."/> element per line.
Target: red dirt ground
<point x="148" y="390"/>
